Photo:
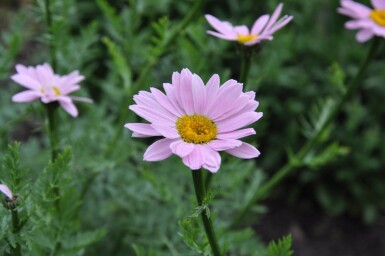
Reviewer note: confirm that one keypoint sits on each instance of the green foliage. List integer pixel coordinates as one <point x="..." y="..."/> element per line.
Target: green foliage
<point x="100" y="198"/>
<point x="280" y="248"/>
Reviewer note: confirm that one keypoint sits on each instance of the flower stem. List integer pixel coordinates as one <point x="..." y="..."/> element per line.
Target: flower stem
<point x="200" y="193"/>
<point x="52" y="129"/>
<point x="306" y="148"/>
<point x="48" y="21"/>
<point x="245" y="66"/>
<point x="15" y="230"/>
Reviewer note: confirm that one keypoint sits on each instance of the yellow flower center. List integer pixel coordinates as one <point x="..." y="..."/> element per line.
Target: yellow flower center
<point x="246" y="38"/>
<point x="55" y="90"/>
<point x="378" y="16"/>
<point x="197" y="129"/>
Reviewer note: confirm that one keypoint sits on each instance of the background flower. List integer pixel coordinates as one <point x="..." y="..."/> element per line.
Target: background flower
<point x="6" y="191"/>
<point x="196" y="121"/>
<point x="369" y="22"/>
<point x="43" y="83"/>
<point x="262" y="29"/>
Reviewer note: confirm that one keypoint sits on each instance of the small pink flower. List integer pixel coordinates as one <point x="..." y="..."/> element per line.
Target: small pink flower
<point x="196" y="120"/>
<point x="43" y="83"/>
<point x="369" y="22"/>
<point x="6" y="191"/>
<point x="263" y="28"/>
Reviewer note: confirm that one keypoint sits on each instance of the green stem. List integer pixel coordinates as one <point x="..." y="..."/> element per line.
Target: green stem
<point x="145" y="72"/>
<point x="200" y="193"/>
<point x="306" y="148"/>
<point x="15" y="230"/>
<point x="245" y="66"/>
<point x="52" y="129"/>
<point x="48" y="20"/>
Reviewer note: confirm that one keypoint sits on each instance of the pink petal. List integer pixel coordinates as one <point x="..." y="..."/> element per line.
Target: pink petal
<point x="148" y="101"/>
<point x="236" y="134"/>
<point x="220" y="145"/>
<point x="164" y="101"/>
<point x="225" y="37"/>
<point x="245" y="151"/>
<point x="166" y="131"/>
<point x="67" y="104"/>
<point x="212" y="161"/>
<point x="158" y="151"/>
<point x="45" y="74"/>
<point x="359" y="9"/>
<point x="352" y="24"/>
<point x="172" y="96"/>
<point x="274" y="17"/>
<point x="152" y="115"/>
<point x="142" y="129"/>
<point x="199" y="94"/>
<point x="223" y="28"/>
<point x="242" y="30"/>
<point x="6" y="191"/>
<point x="378" y="4"/>
<point x="225" y="99"/>
<point x="212" y="90"/>
<point x="26" y="81"/>
<point x="25" y="96"/>
<point x="185" y="91"/>
<point x="182" y="148"/>
<point x="237" y="122"/>
<point x="364" y="35"/>
<point x="259" y="24"/>
<point x="195" y="159"/>
<point x="281" y="23"/>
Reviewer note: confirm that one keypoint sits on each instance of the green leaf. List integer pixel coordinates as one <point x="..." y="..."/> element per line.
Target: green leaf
<point x="120" y="63"/>
<point x="280" y="248"/>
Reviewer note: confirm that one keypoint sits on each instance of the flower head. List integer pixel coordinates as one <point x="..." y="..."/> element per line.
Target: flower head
<point x="43" y="83"/>
<point x="369" y="22"/>
<point x="6" y="191"/>
<point x="196" y="120"/>
<point x="263" y="28"/>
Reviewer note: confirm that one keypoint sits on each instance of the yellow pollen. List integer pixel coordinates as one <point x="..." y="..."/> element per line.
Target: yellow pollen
<point x="378" y="16"/>
<point x="197" y="129"/>
<point x="246" y="38"/>
<point x="56" y="90"/>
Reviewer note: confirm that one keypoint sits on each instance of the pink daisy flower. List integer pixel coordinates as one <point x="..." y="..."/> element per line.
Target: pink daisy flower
<point x="196" y="120"/>
<point x="43" y="83"/>
<point x="6" y="191"/>
<point x="263" y="29"/>
<point x="369" y="22"/>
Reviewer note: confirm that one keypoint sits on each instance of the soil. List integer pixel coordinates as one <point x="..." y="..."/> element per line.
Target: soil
<point x="315" y="234"/>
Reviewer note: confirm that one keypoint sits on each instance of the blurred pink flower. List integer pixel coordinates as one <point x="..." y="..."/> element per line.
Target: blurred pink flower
<point x="43" y="83"/>
<point x="263" y="28"/>
<point x="369" y="22"/>
<point x="6" y="191"/>
<point x="196" y="120"/>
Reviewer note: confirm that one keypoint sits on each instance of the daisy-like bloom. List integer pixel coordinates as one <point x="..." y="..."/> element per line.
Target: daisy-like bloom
<point x="369" y="22"/>
<point x="196" y="120"/>
<point x="263" y="28"/>
<point x="43" y="83"/>
<point x="6" y="191"/>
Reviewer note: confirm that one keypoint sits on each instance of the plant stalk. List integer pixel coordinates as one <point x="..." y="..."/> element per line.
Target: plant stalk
<point x="16" y="251"/>
<point x="48" y="21"/>
<point x="245" y="66"/>
<point x="200" y="193"/>
<point x="306" y="148"/>
<point x="52" y="129"/>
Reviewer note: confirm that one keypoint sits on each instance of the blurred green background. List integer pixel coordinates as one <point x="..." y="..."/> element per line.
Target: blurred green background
<point x="296" y="77"/>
